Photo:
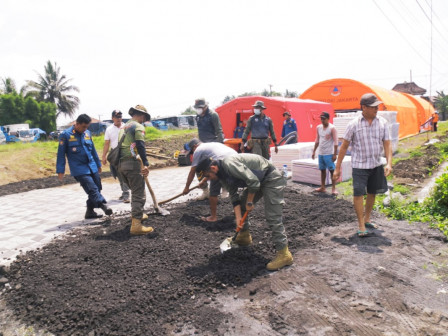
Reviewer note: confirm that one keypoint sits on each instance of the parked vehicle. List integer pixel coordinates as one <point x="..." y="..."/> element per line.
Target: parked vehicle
<point x="182" y="121"/>
<point x="39" y="134"/>
<point x="11" y="132"/>
<point x="2" y="138"/>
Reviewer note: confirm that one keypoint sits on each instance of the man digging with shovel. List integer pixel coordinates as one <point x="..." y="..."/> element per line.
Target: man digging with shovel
<point x="259" y="178"/>
<point x="131" y="169"/>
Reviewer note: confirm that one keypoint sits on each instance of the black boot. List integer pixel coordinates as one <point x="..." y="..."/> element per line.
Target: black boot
<point x="90" y="214"/>
<point x="107" y="211"/>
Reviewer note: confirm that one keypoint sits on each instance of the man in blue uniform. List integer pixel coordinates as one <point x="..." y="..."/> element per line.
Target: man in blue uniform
<point x="239" y="130"/>
<point x="85" y="166"/>
<point x="289" y="125"/>
<point x="260" y="126"/>
<point x="209" y="125"/>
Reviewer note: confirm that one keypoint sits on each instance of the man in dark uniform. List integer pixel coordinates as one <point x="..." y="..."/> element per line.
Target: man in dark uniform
<point x="289" y="125"/>
<point x="209" y="125"/>
<point x="85" y="166"/>
<point x="239" y="130"/>
<point x="259" y="178"/>
<point x="261" y="126"/>
<point x="131" y="169"/>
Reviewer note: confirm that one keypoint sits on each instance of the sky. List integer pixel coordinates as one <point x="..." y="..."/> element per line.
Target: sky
<point x="165" y="54"/>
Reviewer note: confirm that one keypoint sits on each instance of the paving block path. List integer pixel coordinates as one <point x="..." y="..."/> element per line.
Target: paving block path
<point x="31" y="219"/>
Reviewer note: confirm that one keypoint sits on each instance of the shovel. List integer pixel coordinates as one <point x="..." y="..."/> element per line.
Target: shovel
<point x="178" y="195"/>
<point x="158" y="209"/>
<point x="228" y="243"/>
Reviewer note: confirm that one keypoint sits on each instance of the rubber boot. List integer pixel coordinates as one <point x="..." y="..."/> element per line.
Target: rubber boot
<point x="243" y="238"/>
<point x="282" y="259"/>
<point x="107" y="211"/>
<point x="205" y="195"/>
<point x="91" y="214"/>
<point x="138" y="229"/>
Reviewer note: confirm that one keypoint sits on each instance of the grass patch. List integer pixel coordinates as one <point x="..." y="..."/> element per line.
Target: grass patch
<point x="415" y="153"/>
<point x="402" y="189"/>
<point x="152" y="133"/>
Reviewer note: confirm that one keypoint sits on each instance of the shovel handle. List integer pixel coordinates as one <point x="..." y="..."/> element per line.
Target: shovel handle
<point x="174" y="197"/>
<point x="153" y="196"/>
<point x="240" y="225"/>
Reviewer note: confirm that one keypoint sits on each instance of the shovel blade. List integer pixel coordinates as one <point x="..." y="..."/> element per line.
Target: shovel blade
<point x="162" y="211"/>
<point x="227" y="244"/>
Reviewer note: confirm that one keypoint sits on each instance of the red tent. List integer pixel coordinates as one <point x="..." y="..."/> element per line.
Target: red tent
<point x="305" y="112"/>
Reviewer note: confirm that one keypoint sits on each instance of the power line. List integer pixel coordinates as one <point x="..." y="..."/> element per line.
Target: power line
<point x="430" y="20"/>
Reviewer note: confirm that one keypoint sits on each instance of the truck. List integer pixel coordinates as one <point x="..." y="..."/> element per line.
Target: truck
<point x="20" y="133"/>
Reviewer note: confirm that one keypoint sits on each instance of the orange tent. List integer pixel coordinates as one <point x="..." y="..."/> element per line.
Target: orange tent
<point x="424" y="109"/>
<point x="344" y="94"/>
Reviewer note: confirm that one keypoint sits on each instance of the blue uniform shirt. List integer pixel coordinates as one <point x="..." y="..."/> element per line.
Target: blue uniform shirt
<point x="288" y="127"/>
<point x="238" y="133"/>
<point x="81" y="154"/>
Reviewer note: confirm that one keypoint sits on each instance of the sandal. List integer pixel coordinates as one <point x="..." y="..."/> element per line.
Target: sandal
<point x="320" y="190"/>
<point x="363" y="234"/>
<point x="371" y="225"/>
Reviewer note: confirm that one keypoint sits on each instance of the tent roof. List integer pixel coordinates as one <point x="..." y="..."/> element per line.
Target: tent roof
<point x="410" y="88"/>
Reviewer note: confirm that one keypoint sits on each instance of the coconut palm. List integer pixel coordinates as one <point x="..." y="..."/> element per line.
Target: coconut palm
<point x="54" y="87"/>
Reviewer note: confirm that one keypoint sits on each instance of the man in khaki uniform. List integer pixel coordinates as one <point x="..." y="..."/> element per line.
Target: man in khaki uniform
<point x="259" y="178"/>
<point x="260" y="126"/>
<point x="130" y="168"/>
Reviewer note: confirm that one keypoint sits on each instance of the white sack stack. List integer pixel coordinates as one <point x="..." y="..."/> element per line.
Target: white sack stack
<point x="288" y="153"/>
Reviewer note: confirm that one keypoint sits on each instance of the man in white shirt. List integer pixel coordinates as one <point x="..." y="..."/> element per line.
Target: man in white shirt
<point x="327" y="142"/>
<point x="110" y="142"/>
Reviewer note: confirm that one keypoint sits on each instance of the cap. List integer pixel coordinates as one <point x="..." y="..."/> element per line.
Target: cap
<point x="369" y="99"/>
<point x="259" y="104"/>
<point x="286" y="112"/>
<point x="325" y="115"/>
<point x="203" y="165"/>
<point x="139" y="109"/>
<point x="116" y="113"/>
<point x="193" y="143"/>
<point x="200" y="102"/>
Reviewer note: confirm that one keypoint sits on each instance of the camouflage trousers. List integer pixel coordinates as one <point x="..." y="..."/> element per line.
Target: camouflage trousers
<point x="271" y="190"/>
<point x="260" y="147"/>
<point x="130" y="171"/>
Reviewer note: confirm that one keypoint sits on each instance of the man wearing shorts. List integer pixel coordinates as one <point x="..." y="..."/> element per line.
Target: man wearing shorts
<point x="327" y="142"/>
<point x="369" y="135"/>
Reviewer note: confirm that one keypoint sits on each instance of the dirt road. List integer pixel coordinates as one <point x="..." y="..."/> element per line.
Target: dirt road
<point x="101" y="281"/>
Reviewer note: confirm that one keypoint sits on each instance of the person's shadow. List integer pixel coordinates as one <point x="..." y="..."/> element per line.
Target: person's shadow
<point x="369" y="244"/>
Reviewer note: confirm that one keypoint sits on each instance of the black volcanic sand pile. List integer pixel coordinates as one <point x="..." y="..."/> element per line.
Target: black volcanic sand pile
<point x="102" y="281"/>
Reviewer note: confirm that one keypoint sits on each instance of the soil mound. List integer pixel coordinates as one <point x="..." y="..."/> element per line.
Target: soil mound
<point x="104" y="282"/>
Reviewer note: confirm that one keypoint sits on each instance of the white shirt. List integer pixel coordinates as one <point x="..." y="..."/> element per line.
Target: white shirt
<point x="111" y="134"/>
<point x="326" y="138"/>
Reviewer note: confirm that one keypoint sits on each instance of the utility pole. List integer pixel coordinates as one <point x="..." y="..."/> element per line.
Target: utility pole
<point x="270" y="89"/>
<point x="99" y="117"/>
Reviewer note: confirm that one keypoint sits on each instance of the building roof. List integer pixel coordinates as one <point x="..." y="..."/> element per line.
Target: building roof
<point x="410" y="88"/>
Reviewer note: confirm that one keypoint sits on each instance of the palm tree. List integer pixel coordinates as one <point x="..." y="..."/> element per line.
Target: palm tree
<point x="53" y="87"/>
<point x="8" y="86"/>
<point x="441" y="103"/>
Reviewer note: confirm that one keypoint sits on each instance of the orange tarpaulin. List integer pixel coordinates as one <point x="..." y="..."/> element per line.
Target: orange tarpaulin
<point x="345" y="94"/>
<point x="424" y="109"/>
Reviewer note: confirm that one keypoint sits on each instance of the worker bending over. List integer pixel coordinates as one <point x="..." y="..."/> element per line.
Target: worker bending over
<point x="259" y="178"/>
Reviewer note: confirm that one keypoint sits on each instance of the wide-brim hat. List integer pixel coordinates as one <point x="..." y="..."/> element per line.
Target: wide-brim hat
<point x="259" y="104"/>
<point x="139" y="109"/>
<point x="200" y="102"/>
<point x="286" y="112"/>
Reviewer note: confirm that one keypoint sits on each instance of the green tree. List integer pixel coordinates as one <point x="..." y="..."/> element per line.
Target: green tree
<point x="190" y="110"/>
<point x="54" y="87"/>
<point x="441" y="103"/>
<point x="291" y="94"/>
<point x="8" y="86"/>
<point x="16" y="109"/>
<point x="227" y="99"/>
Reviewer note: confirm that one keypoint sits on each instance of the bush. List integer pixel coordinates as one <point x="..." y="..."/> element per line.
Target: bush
<point x="440" y="193"/>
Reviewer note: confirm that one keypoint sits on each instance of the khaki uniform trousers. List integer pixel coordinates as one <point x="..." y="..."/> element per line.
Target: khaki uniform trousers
<point x="271" y="189"/>
<point x="130" y="170"/>
<point x="261" y="147"/>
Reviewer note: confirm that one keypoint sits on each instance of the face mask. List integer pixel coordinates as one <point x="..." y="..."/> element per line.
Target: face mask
<point x="257" y="111"/>
<point x="198" y="111"/>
